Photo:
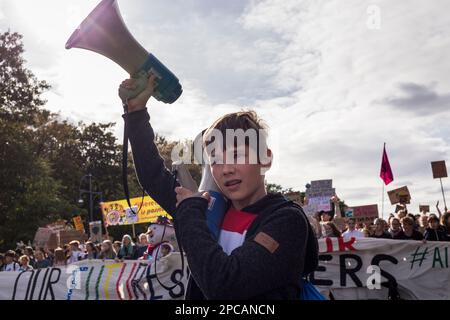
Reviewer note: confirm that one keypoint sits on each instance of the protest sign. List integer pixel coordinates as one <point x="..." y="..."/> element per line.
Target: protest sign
<point x="400" y="195"/>
<point x="78" y="223"/>
<point x="439" y="169"/>
<point x="57" y="225"/>
<point x="318" y="196"/>
<point x="65" y="236"/>
<point x="45" y="237"/>
<point x="118" y="213"/>
<point x="95" y="231"/>
<point x="424" y="208"/>
<point x="99" y="280"/>
<point x="363" y="214"/>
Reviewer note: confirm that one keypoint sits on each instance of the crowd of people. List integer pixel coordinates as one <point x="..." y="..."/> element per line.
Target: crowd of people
<point x="402" y="225"/>
<point x="28" y="258"/>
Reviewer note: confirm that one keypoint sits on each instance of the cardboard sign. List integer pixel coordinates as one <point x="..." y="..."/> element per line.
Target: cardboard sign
<point x="424" y="208"/>
<point x="57" y="226"/>
<point x="439" y="169"/>
<point x="78" y="223"/>
<point x="95" y="231"/>
<point x="45" y="238"/>
<point x="322" y="184"/>
<point x="366" y="213"/>
<point x="400" y="195"/>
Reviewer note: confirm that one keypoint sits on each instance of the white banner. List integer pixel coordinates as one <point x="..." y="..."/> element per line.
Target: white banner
<point x="365" y="268"/>
<point x="99" y="280"/>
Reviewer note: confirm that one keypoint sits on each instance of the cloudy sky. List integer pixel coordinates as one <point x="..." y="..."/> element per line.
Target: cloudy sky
<point x="333" y="79"/>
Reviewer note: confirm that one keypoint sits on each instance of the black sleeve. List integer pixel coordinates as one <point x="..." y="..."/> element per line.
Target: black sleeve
<point x="251" y="269"/>
<point x="153" y="176"/>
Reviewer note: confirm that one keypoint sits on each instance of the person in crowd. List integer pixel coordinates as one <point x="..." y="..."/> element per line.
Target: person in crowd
<point x="435" y="232"/>
<point x="395" y="228"/>
<point x="127" y="250"/>
<point x="408" y="232"/>
<point x="445" y="222"/>
<point x="107" y="252"/>
<point x="439" y="210"/>
<point x="360" y="227"/>
<point x="60" y="258"/>
<point x="24" y="262"/>
<point x="50" y="255"/>
<point x="91" y="251"/>
<point x="141" y="247"/>
<point x="423" y="223"/>
<point x="75" y="254"/>
<point x="351" y="230"/>
<point x="41" y="261"/>
<point x="369" y="229"/>
<point x="331" y="230"/>
<point x="29" y="252"/>
<point x="10" y="261"/>
<point x="380" y="230"/>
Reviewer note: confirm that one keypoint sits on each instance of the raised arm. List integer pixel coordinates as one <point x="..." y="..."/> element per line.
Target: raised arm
<point x="153" y="176"/>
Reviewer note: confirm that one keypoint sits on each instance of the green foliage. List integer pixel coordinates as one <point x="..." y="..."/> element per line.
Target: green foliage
<point x="44" y="158"/>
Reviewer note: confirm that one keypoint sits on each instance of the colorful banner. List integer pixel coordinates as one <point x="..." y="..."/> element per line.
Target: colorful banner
<point x="367" y="268"/>
<point x="98" y="280"/>
<point x="118" y="213"/>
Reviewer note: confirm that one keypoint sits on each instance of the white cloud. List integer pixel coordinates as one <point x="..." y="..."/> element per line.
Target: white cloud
<point x="326" y="83"/>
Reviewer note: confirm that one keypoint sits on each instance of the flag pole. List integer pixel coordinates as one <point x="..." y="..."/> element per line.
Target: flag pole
<point x="443" y="195"/>
<point x="382" y="199"/>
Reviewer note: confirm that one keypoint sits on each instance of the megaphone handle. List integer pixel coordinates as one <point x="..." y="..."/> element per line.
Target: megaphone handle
<point x="141" y="80"/>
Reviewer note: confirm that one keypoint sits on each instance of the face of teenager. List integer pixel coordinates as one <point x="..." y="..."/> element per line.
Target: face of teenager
<point x="326" y="217"/>
<point x="408" y="227"/>
<point x="143" y="240"/>
<point x="105" y="247"/>
<point x="434" y="224"/>
<point x="8" y="259"/>
<point x="379" y="227"/>
<point x="328" y="230"/>
<point x="395" y="225"/>
<point x="239" y="180"/>
<point x="39" y="255"/>
<point x="126" y="241"/>
<point x="351" y="225"/>
<point x="23" y="262"/>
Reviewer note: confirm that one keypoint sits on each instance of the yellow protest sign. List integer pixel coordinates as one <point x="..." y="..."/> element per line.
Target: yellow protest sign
<point x="118" y="213"/>
<point x="78" y="223"/>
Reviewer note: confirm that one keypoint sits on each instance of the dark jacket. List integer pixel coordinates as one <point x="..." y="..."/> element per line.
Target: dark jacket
<point x="435" y="235"/>
<point x="416" y="235"/>
<point x="251" y="271"/>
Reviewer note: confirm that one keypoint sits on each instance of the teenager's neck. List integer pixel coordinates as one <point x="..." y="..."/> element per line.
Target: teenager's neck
<point x="258" y="195"/>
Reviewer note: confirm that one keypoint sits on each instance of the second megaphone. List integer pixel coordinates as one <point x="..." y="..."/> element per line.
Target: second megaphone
<point x="104" y="32"/>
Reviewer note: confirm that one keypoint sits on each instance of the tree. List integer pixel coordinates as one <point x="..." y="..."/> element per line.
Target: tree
<point x="19" y="89"/>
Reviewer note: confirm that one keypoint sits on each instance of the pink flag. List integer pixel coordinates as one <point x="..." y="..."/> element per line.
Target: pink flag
<point x="386" y="172"/>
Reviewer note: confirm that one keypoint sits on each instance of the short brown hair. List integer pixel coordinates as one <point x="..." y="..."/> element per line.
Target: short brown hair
<point x="407" y="220"/>
<point x="245" y="120"/>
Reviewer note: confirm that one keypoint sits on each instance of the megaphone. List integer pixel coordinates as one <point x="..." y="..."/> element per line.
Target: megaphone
<point x="104" y="32"/>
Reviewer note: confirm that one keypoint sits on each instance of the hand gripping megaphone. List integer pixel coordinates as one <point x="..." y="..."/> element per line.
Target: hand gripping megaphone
<point x="218" y="203"/>
<point x="104" y="32"/>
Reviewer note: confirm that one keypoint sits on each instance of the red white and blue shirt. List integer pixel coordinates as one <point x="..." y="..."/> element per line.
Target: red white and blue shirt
<point x="234" y="228"/>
